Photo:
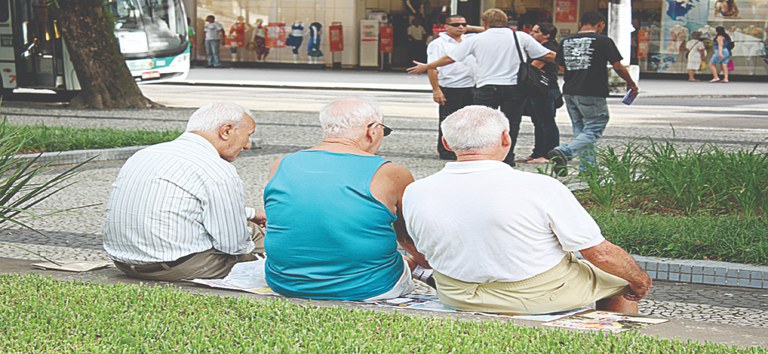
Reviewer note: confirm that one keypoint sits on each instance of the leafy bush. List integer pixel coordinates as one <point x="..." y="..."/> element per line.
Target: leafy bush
<point x="660" y="179"/>
<point x="24" y="182"/>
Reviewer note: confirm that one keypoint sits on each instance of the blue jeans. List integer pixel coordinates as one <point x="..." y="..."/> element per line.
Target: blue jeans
<point x="212" y="49"/>
<point x="545" y="132"/>
<point x="511" y="100"/>
<point x="589" y="116"/>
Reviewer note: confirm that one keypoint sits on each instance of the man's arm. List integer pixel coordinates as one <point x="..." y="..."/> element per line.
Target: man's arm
<point x="388" y="186"/>
<point x="624" y="74"/>
<point x="550" y="57"/>
<point x="437" y="94"/>
<point x="422" y="68"/>
<point x="614" y="260"/>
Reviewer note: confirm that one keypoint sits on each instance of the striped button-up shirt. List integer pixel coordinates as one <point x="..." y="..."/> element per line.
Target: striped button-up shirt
<point x="174" y="199"/>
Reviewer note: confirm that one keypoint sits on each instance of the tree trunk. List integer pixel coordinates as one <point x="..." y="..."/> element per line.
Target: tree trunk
<point x="104" y="77"/>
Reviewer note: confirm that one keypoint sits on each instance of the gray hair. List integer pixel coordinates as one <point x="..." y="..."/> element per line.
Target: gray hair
<point x="339" y="117"/>
<point x="212" y="116"/>
<point x="474" y="128"/>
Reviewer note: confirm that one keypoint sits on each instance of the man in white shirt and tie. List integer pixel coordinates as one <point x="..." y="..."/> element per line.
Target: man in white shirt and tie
<point x="177" y="209"/>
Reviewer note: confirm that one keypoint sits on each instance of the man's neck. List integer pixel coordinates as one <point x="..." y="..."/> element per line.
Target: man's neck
<point x="588" y="29"/>
<point x="456" y="38"/>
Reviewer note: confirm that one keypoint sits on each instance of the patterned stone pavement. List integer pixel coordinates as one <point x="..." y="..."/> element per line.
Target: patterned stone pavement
<point x="76" y="235"/>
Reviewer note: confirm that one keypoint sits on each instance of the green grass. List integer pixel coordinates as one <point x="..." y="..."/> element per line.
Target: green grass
<point x="662" y="179"/>
<point x="40" y="138"/>
<point x="722" y="238"/>
<point x="38" y="315"/>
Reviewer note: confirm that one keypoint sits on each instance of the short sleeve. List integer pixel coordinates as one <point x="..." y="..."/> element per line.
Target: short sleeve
<point x="463" y="50"/>
<point x="571" y="223"/>
<point x="612" y="53"/>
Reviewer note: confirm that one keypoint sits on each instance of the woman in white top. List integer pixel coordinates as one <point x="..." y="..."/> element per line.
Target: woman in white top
<point x="696" y="54"/>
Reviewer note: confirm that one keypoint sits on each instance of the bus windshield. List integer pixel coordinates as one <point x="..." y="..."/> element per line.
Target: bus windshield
<point x="149" y="27"/>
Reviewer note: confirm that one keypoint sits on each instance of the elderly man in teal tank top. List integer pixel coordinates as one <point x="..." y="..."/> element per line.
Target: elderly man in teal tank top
<point x="335" y="215"/>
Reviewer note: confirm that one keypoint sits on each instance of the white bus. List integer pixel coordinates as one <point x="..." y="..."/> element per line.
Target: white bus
<point x="152" y="34"/>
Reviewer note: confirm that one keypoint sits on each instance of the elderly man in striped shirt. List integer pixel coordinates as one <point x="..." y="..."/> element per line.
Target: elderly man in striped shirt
<point x="177" y="209"/>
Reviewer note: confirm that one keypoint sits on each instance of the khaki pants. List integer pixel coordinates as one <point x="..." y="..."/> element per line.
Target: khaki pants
<point x="568" y="285"/>
<point x="210" y="264"/>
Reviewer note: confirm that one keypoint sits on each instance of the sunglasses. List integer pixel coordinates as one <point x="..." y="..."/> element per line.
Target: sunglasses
<point x="387" y="130"/>
<point x="457" y="24"/>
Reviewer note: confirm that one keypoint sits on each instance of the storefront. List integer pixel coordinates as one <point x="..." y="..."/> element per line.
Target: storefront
<point x="288" y="31"/>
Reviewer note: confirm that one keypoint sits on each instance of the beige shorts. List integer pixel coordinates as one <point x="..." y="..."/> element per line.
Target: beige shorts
<point x="568" y="285"/>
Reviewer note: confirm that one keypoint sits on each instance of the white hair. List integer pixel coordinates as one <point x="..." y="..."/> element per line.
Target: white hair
<point x="474" y="128"/>
<point x="212" y="116"/>
<point x="339" y="117"/>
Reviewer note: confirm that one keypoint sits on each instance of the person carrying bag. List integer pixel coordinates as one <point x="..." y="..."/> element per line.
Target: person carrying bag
<point x="531" y="79"/>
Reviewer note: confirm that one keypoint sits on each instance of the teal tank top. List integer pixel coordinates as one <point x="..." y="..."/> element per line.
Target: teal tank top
<point x="327" y="236"/>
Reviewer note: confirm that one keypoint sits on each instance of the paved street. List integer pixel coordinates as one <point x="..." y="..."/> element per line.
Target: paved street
<point x="286" y="122"/>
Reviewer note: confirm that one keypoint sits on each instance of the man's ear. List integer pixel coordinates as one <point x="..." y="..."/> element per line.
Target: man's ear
<point x="506" y="140"/>
<point x="445" y="143"/>
<point x="225" y="131"/>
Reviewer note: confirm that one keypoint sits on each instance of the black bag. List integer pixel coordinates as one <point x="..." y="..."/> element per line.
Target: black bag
<point x="531" y="79"/>
<point x="731" y="44"/>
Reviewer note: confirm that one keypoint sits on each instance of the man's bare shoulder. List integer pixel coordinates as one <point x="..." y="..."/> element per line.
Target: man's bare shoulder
<point x="394" y="172"/>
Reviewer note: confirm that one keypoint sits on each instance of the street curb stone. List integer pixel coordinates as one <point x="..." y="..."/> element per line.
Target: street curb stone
<point x="665" y="269"/>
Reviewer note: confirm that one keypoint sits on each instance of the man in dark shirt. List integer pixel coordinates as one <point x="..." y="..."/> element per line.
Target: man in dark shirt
<point x="584" y="57"/>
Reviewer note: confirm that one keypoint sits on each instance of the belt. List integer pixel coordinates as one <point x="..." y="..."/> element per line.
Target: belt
<point x="156" y="267"/>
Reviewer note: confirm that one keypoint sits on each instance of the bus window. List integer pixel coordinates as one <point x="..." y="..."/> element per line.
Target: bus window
<point x="5" y="11"/>
<point x="162" y="22"/>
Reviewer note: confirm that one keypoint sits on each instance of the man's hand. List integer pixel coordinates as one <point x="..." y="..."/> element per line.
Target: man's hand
<point x="260" y="218"/>
<point x="420" y="68"/>
<point x="639" y="291"/>
<point x="438" y="97"/>
<point x="632" y="86"/>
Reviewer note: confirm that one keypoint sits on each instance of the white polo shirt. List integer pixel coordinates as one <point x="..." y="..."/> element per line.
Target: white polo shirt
<point x="460" y="74"/>
<point x="497" y="59"/>
<point x="483" y="221"/>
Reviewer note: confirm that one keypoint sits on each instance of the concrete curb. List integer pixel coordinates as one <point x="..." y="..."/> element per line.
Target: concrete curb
<point x="705" y="272"/>
<point x="80" y="156"/>
<point x="666" y="269"/>
<point x="420" y="88"/>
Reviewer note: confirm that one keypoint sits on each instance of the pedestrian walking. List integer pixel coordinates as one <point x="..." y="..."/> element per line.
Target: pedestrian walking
<point x="497" y="66"/>
<point x="452" y="85"/>
<point x="584" y="56"/>
<point x="697" y="52"/>
<point x="543" y="109"/>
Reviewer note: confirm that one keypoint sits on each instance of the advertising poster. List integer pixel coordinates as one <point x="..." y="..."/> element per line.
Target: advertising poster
<point x="275" y="35"/>
<point x="679" y="19"/>
<point x="753" y="10"/>
<point x="566" y="11"/>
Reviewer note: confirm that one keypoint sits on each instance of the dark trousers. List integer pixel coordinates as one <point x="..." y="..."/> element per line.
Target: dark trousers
<point x="511" y="100"/>
<point x="455" y="99"/>
<point x="542" y="111"/>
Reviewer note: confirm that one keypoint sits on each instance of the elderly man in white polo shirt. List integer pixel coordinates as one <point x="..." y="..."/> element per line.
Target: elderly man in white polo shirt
<point x="452" y="85"/>
<point x="177" y="209"/>
<point x="497" y="65"/>
<point x="503" y="240"/>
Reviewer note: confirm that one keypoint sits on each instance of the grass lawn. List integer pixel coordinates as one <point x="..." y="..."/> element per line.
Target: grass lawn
<point x="40" y="138"/>
<point x="38" y="314"/>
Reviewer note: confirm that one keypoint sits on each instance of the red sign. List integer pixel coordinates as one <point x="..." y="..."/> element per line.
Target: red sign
<point x="437" y="28"/>
<point x="336" y="37"/>
<point x="566" y="11"/>
<point x="386" y="42"/>
<point x="275" y="35"/>
<point x="643" y="39"/>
